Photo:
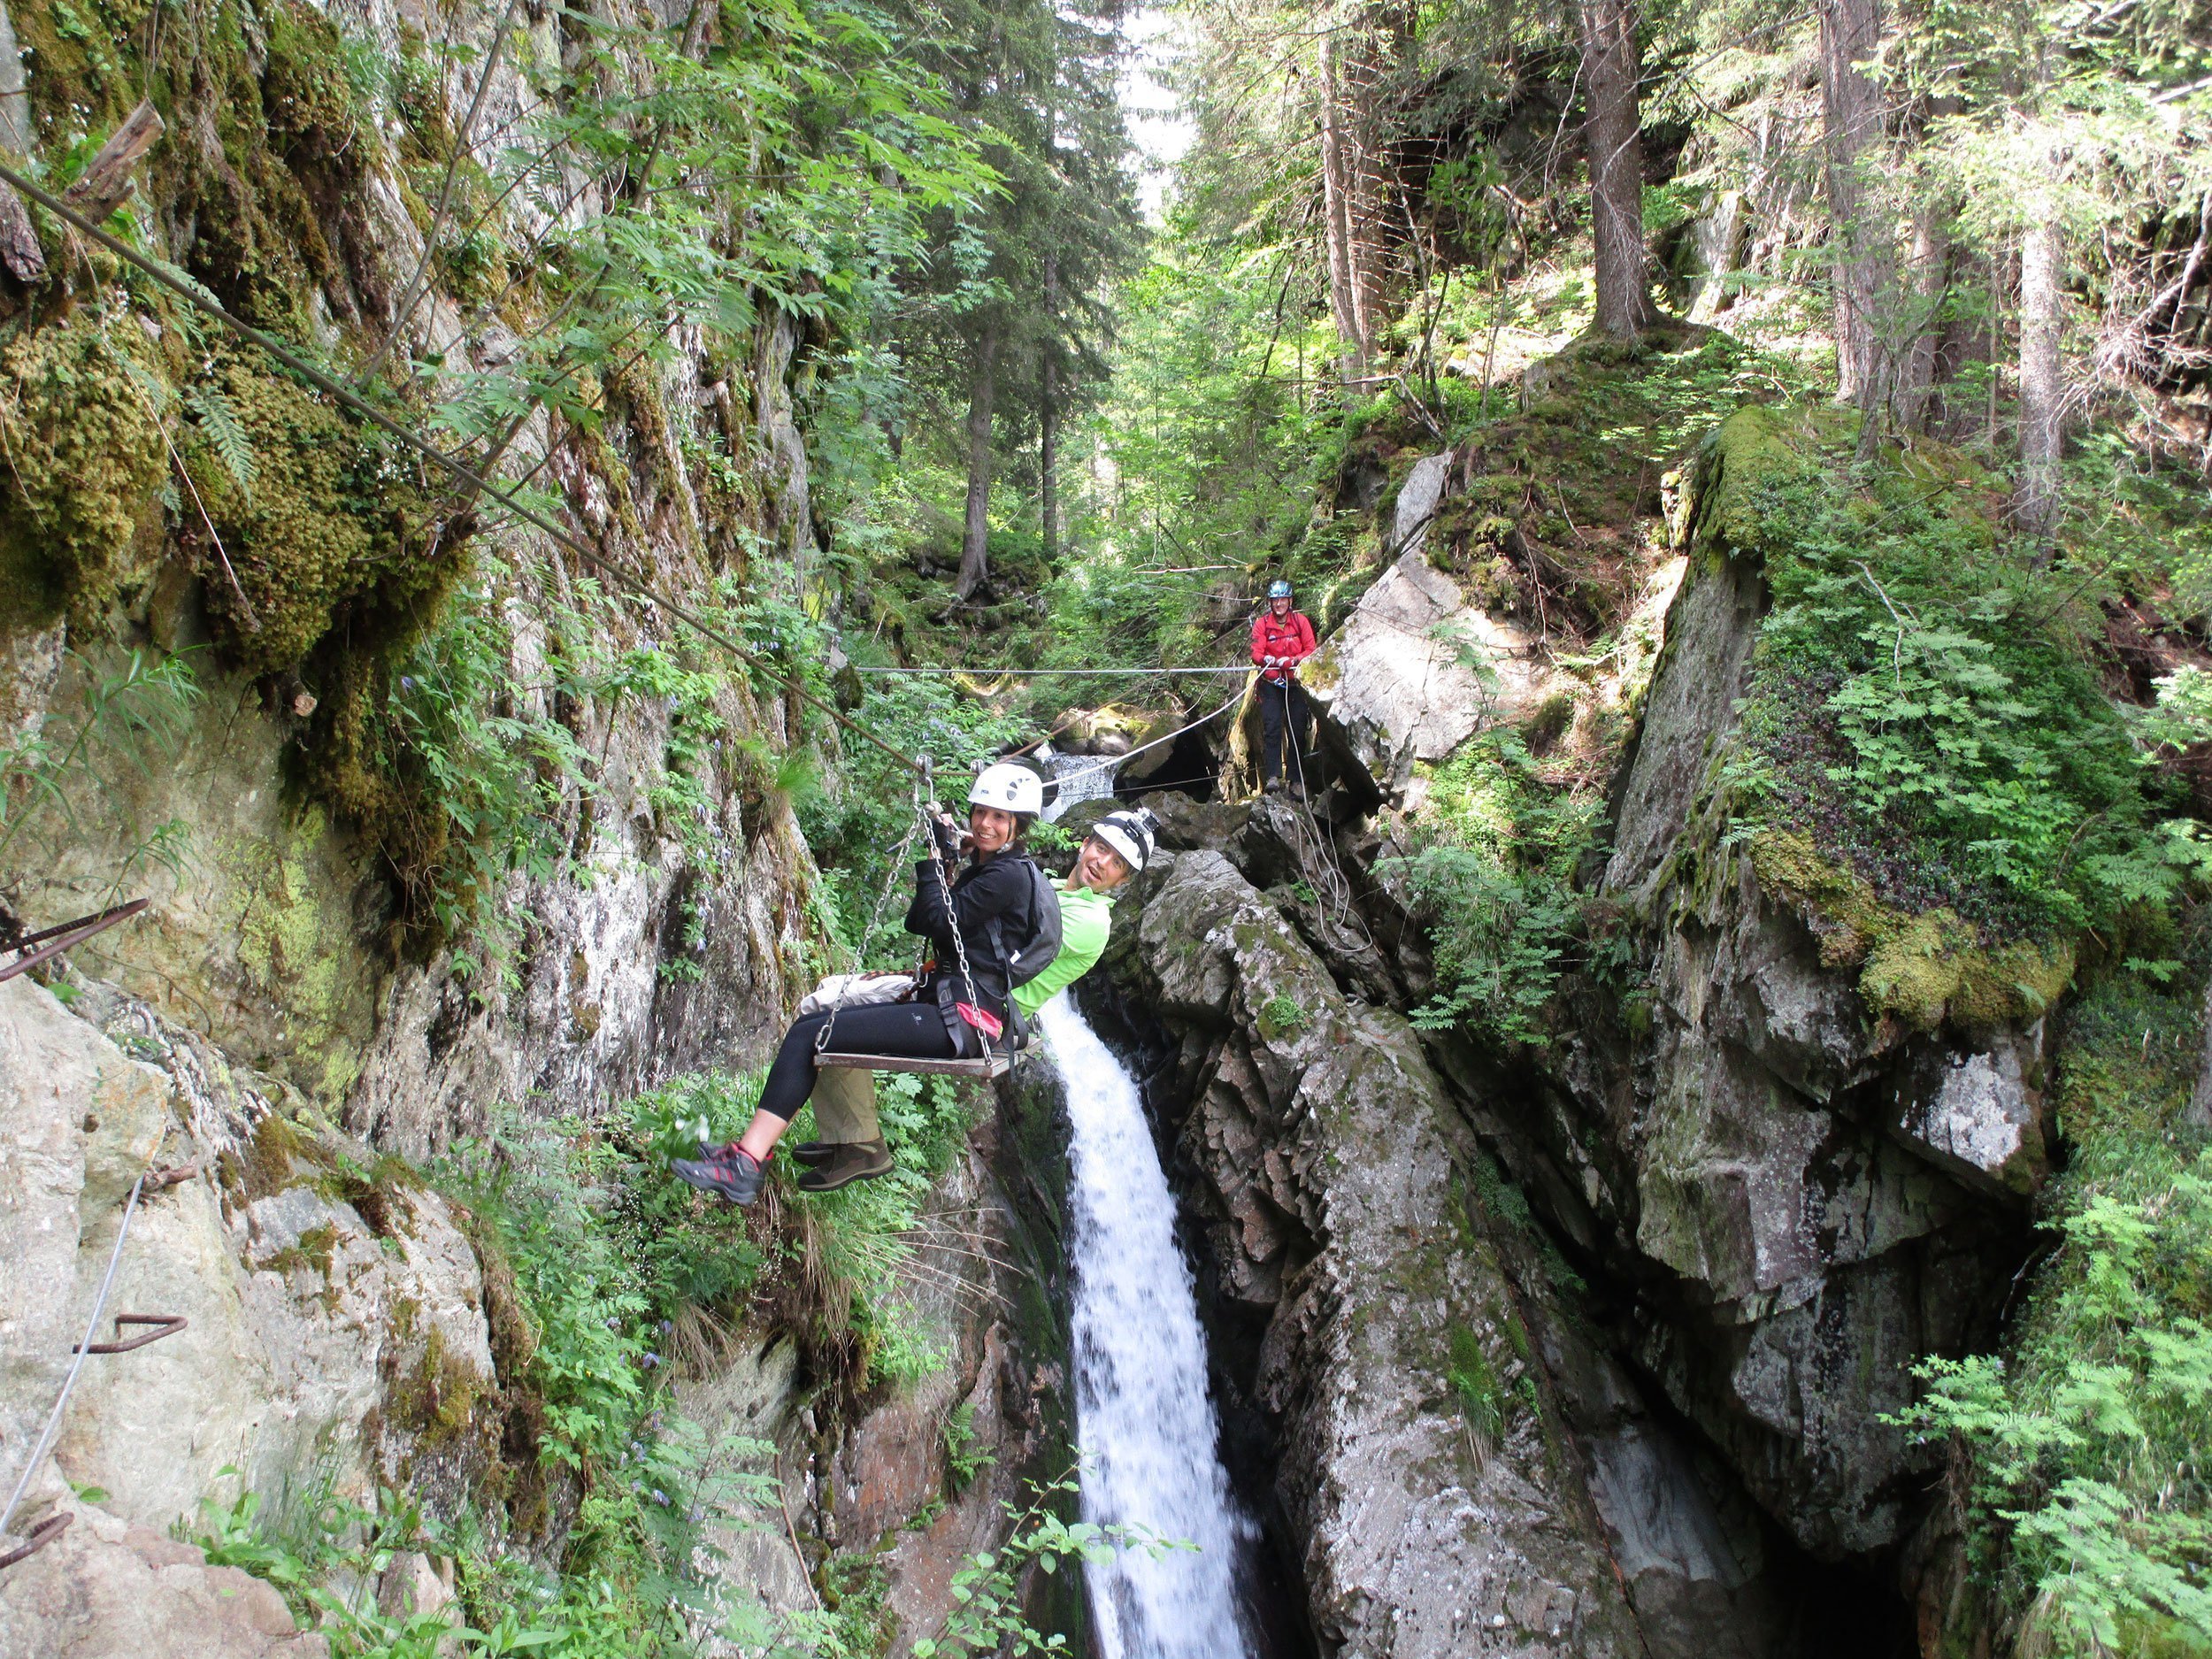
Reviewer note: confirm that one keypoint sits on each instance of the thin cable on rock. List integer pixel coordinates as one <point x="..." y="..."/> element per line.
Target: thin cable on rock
<point x="41" y="1446"/>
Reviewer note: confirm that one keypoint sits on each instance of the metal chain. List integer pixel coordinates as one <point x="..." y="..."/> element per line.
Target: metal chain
<point x="883" y="895"/>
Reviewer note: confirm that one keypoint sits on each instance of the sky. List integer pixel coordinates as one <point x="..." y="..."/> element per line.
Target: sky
<point x="1161" y="131"/>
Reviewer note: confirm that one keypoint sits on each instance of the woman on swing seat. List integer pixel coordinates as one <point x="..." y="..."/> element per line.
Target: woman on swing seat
<point x="992" y="898"/>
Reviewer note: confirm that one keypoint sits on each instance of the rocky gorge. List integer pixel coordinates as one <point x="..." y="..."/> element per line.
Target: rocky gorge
<point x="1584" y="1312"/>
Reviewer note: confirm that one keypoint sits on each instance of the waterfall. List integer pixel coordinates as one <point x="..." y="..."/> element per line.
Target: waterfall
<point x="1081" y="778"/>
<point x="1145" y="1426"/>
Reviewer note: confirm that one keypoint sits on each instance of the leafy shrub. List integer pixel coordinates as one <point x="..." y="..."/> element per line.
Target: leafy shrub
<point x="1916" y="699"/>
<point x="1493" y="867"/>
<point x="2079" y="1450"/>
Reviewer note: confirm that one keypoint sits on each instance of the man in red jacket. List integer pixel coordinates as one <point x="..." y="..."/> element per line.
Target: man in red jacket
<point x="1281" y="639"/>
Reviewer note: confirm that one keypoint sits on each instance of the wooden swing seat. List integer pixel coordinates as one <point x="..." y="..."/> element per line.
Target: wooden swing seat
<point x="994" y="1064"/>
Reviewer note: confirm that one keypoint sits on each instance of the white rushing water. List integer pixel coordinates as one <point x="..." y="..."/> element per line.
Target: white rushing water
<point x="1146" y="1427"/>
<point x="1081" y="778"/>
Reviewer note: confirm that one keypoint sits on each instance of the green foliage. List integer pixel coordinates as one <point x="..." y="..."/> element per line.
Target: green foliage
<point x="462" y="781"/>
<point x="2083" y="1451"/>
<point x="986" y="1595"/>
<point x="1494" y="866"/>
<point x="965" y="1457"/>
<point x="1482" y="1395"/>
<point x="1918" y="701"/>
<point x="2078" y="1448"/>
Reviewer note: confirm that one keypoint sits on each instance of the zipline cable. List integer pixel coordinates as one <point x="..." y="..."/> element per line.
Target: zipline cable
<point x="460" y="470"/>
<point x="193" y="296"/>
<point x="1116" y="761"/>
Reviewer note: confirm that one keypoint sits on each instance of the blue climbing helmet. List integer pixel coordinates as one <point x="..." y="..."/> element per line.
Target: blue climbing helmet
<point x="1278" y="589"/>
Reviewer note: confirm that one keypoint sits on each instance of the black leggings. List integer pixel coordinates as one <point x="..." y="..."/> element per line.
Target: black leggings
<point x="1282" y="716"/>
<point x="916" y="1030"/>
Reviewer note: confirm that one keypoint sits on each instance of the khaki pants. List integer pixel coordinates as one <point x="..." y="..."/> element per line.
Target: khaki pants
<point x="845" y="1106"/>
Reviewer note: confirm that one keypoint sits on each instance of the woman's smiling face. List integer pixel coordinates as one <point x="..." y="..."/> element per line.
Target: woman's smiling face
<point x="989" y="829"/>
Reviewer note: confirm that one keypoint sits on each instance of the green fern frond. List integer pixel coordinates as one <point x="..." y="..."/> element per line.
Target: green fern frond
<point x="220" y="421"/>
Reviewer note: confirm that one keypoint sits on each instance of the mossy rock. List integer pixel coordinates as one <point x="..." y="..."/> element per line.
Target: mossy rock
<point x="1929" y="969"/>
<point x="324" y="512"/>
<point x="80" y="508"/>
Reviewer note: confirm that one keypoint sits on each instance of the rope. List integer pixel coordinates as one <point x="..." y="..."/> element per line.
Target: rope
<point x="461" y="471"/>
<point x="1056" y="673"/>
<point x="39" y="1447"/>
<point x="1121" y="760"/>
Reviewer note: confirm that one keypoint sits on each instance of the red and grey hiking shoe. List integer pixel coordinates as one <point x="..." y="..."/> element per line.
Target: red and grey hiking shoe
<point x="729" y="1170"/>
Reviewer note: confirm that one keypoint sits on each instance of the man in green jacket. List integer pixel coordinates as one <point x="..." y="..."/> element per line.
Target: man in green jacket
<point x="852" y="1147"/>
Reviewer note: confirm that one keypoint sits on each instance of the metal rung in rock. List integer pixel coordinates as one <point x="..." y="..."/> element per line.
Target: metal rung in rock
<point x="993" y="1064"/>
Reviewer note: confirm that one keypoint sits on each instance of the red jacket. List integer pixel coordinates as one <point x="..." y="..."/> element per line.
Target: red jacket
<point x="1289" y="637"/>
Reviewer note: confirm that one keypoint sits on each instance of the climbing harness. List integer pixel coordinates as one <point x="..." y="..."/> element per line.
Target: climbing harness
<point x="992" y="1063"/>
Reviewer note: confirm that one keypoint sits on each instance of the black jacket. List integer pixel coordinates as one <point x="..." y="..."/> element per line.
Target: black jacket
<point x="999" y="887"/>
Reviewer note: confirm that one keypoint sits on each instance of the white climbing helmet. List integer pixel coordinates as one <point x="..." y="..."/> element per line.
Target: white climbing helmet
<point x="1130" y="835"/>
<point x="1008" y="787"/>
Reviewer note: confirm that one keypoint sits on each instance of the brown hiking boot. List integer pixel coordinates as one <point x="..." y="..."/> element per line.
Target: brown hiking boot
<point x="853" y="1161"/>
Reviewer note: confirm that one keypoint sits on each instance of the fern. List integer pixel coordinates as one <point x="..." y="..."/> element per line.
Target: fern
<point x="220" y="421"/>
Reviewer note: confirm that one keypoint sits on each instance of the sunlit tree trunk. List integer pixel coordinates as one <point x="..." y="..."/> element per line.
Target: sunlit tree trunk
<point x="1613" y="134"/>
<point x="2042" y="382"/>
<point x="1865" y="276"/>
<point x="1336" y="208"/>
<point x="975" y="544"/>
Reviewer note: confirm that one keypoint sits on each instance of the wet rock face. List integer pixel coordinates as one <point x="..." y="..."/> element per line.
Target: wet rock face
<point x="1335" y="1211"/>
<point x="1808" y="1199"/>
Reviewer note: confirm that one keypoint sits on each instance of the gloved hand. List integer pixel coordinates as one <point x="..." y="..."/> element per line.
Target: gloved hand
<point x="948" y="831"/>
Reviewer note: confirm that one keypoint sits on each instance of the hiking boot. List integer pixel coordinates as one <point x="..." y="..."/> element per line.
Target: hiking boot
<point x="854" y="1160"/>
<point x="1298" y="792"/>
<point x="1273" y="785"/>
<point x="729" y="1170"/>
<point x="814" y="1154"/>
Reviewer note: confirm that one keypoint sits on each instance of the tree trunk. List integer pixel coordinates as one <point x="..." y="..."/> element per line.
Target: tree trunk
<point x="1613" y="136"/>
<point x="2042" y="384"/>
<point x="1049" y="419"/>
<point x="1865" y="267"/>
<point x="975" y="545"/>
<point x="1928" y="286"/>
<point x="1336" y="210"/>
<point x="1368" y="195"/>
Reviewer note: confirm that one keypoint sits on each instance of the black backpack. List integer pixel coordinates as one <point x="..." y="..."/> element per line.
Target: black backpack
<point x="1031" y="955"/>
